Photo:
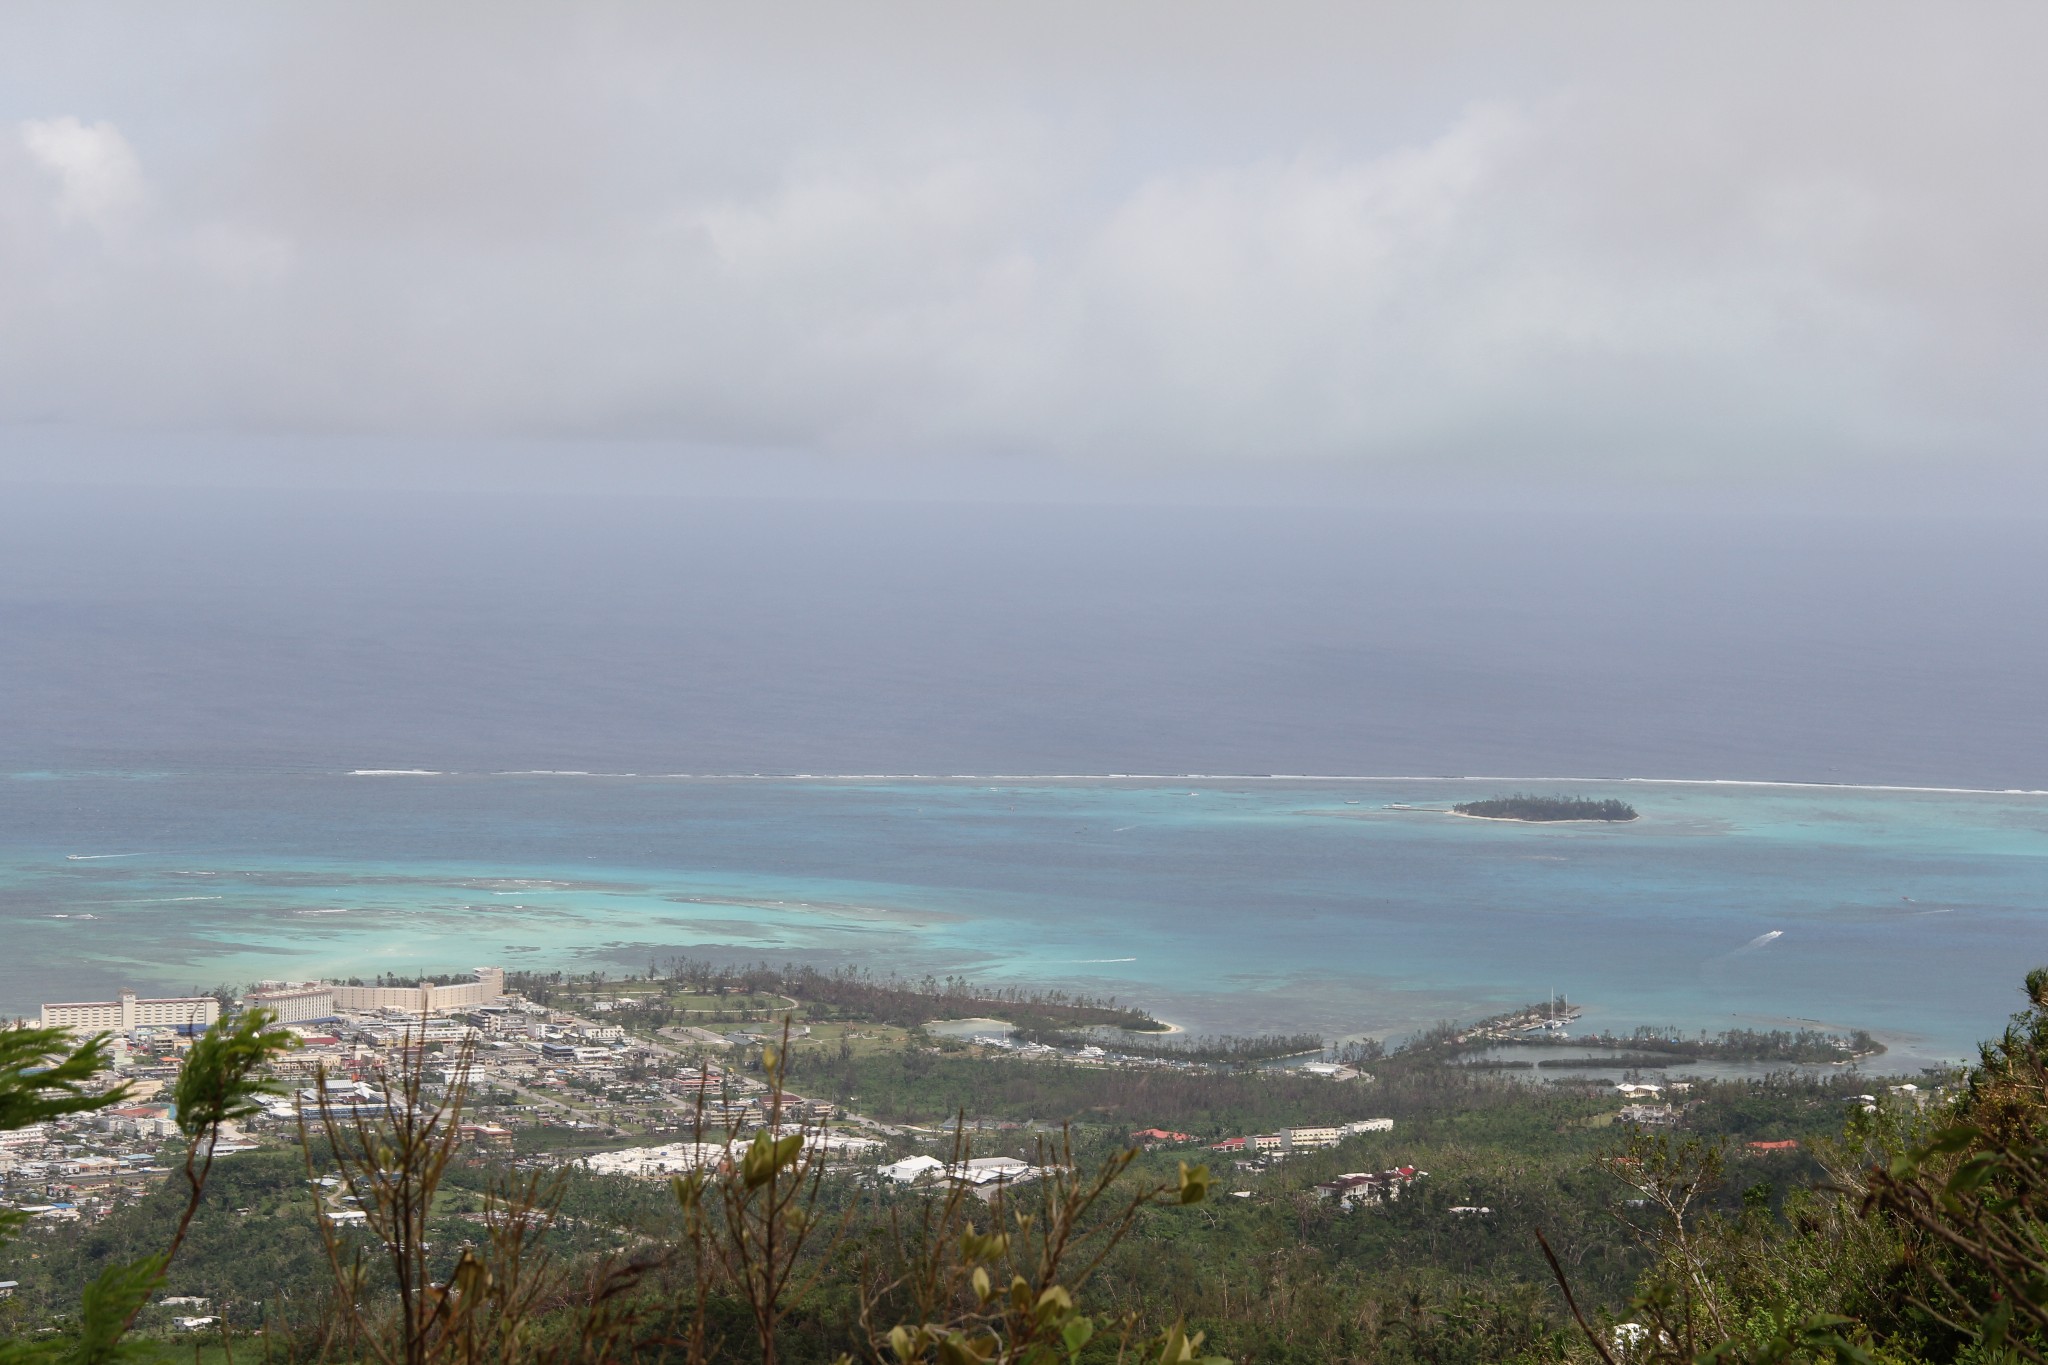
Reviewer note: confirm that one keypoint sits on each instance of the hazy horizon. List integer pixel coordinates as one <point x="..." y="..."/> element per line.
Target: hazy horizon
<point x="361" y="630"/>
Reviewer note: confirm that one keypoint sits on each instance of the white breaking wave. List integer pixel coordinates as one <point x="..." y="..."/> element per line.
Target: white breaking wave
<point x="394" y="772"/>
<point x="1327" y="777"/>
<point x="95" y="857"/>
<point x="1760" y="940"/>
<point x="161" y="900"/>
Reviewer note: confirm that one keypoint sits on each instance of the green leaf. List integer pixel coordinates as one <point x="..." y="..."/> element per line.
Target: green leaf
<point x="1991" y="1329"/>
<point x="1952" y="1139"/>
<point x="977" y="1246"/>
<point x="956" y="1349"/>
<point x="1076" y="1333"/>
<point x="766" y="1156"/>
<point x="1974" y="1172"/>
<point x="43" y="1072"/>
<point x="107" y="1305"/>
<point x="220" y="1079"/>
<point x="1180" y="1349"/>
<point x="1054" y="1304"/>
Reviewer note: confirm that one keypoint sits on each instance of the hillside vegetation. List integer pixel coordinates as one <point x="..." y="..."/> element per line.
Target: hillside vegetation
<point x="1738" y="1223"/>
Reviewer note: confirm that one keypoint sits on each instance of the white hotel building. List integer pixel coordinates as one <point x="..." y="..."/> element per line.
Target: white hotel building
<point x="292" y="1004"/>
<point x="130" y="1012"/>
<point x="425" y="998"/>
<point x="303" y="1002"/>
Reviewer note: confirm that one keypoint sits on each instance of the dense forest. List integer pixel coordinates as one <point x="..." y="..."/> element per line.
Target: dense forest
<point x="854" y="993"/>
<point x="1659" y="1047"/>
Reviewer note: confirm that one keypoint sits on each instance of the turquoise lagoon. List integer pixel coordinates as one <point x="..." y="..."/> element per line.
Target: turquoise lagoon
<point x="1225" y="904"/>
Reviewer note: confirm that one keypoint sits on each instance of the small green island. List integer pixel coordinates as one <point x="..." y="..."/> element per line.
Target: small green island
<point x="1547" y="809"/>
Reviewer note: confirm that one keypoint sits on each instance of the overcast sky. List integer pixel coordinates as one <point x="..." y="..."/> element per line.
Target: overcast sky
<point x="1726" y="247"/>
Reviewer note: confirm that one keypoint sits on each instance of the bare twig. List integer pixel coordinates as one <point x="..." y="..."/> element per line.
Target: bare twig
<point x="1564" y="1285"/>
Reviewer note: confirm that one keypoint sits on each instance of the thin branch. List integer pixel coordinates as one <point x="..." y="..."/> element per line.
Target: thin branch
<point x="1572" y="1303"/>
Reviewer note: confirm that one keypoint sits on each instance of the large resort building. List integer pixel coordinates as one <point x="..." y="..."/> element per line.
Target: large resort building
<point x="301" y="1002"/>
<point x="292" y="1003"/>
<point x="129" y="1012"/>
<point x="425" y="998"/>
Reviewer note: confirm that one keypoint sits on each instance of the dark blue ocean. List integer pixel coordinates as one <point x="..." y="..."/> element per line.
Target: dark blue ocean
<point x="192" y="682"/>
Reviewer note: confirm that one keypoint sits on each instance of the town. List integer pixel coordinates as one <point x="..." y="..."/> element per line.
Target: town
<point x="901" y="1096"/>
<point x="587" y="1079"/>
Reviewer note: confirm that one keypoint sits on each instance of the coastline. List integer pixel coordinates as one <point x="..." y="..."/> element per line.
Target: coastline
<point x="1882" y="904"/>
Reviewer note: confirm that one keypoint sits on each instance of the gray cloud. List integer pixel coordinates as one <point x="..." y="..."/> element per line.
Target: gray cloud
<point x="1172" y="237"/>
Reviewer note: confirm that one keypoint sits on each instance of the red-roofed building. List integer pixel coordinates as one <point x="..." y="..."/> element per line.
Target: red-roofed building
<point x="1782" y="1145"/>
<point x="1153" y="1137"/>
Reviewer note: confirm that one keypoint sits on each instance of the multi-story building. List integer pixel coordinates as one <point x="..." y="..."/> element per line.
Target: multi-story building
<point x="1367" y="1126"/>
<point x="294" y="1004"/>
<point x="142" y="1120"/>
<point x="396" y="1033"/>
<point x="129" y="1012"/>
<point x="426" y="997"/>
<point x="1368" y="1187"/>
<point x="501" y="1021"/>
